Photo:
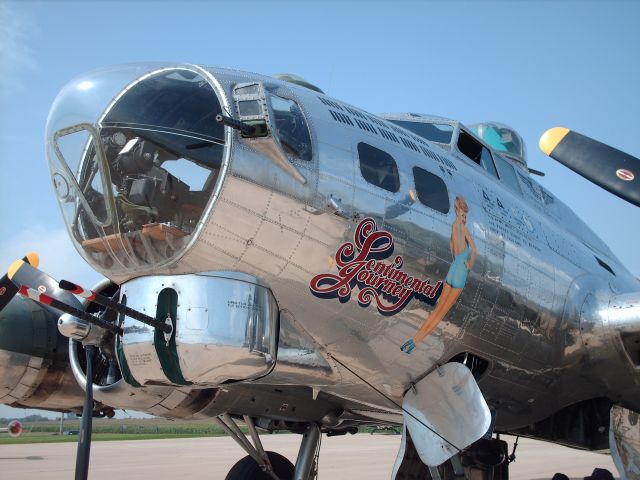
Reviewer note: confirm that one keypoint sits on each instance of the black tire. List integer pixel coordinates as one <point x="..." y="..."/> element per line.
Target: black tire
<point x="248" y="469"/>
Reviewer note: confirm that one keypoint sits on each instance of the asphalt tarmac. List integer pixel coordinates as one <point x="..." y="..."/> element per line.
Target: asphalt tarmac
<point x="357" y="457"/>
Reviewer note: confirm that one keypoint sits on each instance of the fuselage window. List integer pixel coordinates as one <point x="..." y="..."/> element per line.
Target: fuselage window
<point x="291" y="127"/>
<point x="475" y="151"/>
<point x="431" y="189"/>
<point x="507" y="174"/>
<point x="378" y="167"/>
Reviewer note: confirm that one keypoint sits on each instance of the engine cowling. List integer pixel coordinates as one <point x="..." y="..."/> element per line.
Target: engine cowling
<point x="40" y="368"/>
<point x="110" y="388"/>
<point x="34" y="365"/>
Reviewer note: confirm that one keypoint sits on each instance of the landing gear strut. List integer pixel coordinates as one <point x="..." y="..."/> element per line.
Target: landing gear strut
<point x="261" y="465"/>
<point x="306" y="464"/>
<point x="486" y="459"/>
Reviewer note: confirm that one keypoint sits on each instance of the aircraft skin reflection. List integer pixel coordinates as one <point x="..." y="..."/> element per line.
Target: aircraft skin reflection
<point x="463" y="250"/>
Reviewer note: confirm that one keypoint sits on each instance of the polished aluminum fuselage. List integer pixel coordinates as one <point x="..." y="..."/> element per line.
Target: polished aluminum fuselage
<point x="533" y="304"/>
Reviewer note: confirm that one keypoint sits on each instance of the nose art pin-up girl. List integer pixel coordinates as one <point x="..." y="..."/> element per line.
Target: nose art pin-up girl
<point x="464" y="253"/>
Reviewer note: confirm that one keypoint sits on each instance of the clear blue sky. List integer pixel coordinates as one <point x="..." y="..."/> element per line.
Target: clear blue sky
<point x="530" y="65"/>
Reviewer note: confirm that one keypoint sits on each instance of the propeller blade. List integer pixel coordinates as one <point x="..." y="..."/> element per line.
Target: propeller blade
<point x="8" y="289"/>
<point x="84" y="442"/>
<point x="607" y="167"/>
<point x="23" y="273"/>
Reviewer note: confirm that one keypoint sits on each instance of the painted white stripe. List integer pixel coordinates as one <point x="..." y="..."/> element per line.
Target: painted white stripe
<point x="33" y="294"/>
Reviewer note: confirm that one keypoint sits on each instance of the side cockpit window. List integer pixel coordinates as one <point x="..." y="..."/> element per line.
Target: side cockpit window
<point x="471" y="148"/>
<point x="508" y="174"/>
<point x="291" y="127"/>
<point x="431" y="189"/>
<point x="378" y="167"/>
<point x="434" y="132"/>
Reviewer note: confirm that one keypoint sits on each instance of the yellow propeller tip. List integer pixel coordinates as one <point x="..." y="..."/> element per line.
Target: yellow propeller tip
<point x="15" y="266"/>
<point x="33" y="259"/>
<point x="551" y="138"/>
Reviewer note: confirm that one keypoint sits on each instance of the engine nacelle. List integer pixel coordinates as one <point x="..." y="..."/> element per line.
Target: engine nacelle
<point x="225" y="324"/>
<point x="110" y="388"/>
<point x="156" y="400"/>
<point x="608" y="326"/>
<point x="34" y="365"/>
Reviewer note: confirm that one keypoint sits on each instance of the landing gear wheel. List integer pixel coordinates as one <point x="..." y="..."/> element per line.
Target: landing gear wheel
<point x="248" y="469"/>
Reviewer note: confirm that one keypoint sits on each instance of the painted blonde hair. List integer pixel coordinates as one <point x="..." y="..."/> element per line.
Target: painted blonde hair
<point x="461" y="204"/>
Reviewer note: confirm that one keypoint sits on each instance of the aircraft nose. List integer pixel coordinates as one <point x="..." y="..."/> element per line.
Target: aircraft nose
<point x="134" y="179"/>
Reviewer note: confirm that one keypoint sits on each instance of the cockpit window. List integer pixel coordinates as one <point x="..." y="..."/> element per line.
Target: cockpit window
<point x="291" y="127"/>
<point x="508" y="174"/>
<point x="486" y="162"/>
<point x="474" y="150"/>
<point x="434" y="132"/>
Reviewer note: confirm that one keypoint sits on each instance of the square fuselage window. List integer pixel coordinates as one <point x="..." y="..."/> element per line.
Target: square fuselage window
<point x="378" y="168"/>
<point x="431" y="189"/>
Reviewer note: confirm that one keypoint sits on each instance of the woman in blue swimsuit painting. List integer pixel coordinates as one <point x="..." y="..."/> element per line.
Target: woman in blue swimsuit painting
<point x="464" y="253"/>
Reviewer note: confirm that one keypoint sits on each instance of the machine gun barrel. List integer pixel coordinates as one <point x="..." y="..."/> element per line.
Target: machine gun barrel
<point x="63" y="307"/>
<point x="118" y="307"/>
<point x="237" y="124"/>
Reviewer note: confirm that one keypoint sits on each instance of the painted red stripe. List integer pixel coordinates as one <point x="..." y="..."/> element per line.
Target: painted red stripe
<point x="46" y="299"/>
<point x="624" y="174"/>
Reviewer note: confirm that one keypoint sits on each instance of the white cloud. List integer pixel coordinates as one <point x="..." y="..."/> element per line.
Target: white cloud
<point x="16" y="55"/>
<point x="58" y="257"/>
